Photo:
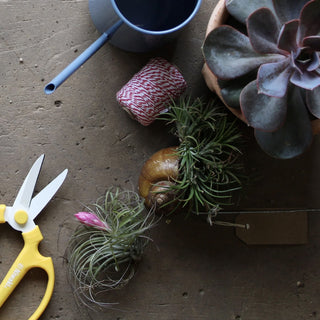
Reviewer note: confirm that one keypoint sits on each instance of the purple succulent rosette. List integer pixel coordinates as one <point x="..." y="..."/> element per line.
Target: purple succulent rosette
<point x="271" y="69"/>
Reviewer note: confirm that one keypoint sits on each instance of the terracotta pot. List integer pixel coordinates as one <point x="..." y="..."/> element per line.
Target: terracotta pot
<point x="217" y="18"/>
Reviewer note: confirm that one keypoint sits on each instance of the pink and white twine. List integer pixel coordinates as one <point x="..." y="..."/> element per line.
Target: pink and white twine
<point x="150" y="90"/>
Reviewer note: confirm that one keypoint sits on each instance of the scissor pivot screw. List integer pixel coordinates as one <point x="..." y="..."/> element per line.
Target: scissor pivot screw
<point x="21" y="217"/>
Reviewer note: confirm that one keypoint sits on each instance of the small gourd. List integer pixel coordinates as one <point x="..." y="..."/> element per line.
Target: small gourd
<point x="157" y="175"/>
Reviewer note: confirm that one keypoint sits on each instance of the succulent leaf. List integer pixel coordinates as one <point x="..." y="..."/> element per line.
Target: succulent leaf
<point x="273" y="78"/>
<point x="287" y="11"/>
<point x="305" y="60"/>
<point x="240" y="10"/>
<point x="306" y="80"/>
<point x="314" y="64"/>
<point x="294" y="137"/>
<point x="288" y="36"/>
<point x="312" y="42"/>
<point x="263" y="30"/>
<point x="229" y="54"/>
<point x="313" y="101"/>
<point x="309" y="20"/>
<point x="261" y="111"/>
<point x="231" y="89"/>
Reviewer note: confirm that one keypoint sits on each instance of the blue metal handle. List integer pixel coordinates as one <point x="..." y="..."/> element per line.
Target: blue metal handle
<point x="80" y="60"/>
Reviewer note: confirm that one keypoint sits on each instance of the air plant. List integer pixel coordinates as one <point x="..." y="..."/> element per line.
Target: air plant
<point x="104" y="250"/>
<point x="201" y="173"/>
<point x="270" y="68"/>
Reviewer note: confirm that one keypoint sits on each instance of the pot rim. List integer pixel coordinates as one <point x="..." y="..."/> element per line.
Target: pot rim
<point x="218" y="17"/>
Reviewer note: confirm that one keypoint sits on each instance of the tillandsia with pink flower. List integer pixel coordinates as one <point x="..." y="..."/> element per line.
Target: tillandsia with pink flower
<point x="92" y="220"/>
<point x="105" y="248"/>
<point x="268" y="65"/>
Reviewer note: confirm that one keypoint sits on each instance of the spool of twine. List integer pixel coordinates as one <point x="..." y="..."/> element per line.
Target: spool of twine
<point x="150" y="90"/>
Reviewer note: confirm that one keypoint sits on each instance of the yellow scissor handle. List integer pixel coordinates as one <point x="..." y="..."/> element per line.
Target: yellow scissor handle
<point x="2" y="210"/>
<point x="29" y="258"/>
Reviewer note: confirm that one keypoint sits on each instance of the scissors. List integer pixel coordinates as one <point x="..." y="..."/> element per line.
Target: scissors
<point x="21" y="218"/>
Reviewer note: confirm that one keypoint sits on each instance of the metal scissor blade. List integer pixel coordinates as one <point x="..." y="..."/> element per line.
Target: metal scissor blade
<point x="25" y="193"/>
<point x="46" y="194"/>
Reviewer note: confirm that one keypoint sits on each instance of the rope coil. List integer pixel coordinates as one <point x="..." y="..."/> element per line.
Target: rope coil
<point x="150" y="90"/>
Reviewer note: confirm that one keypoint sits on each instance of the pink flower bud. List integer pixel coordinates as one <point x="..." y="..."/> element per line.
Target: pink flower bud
<point x="91" y="220"/>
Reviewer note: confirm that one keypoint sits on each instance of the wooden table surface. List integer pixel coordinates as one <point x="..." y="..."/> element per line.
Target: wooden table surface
<point x="192" y="271"/>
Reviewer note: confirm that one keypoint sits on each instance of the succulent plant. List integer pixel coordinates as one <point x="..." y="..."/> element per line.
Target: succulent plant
<point x="269" y="66"/>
